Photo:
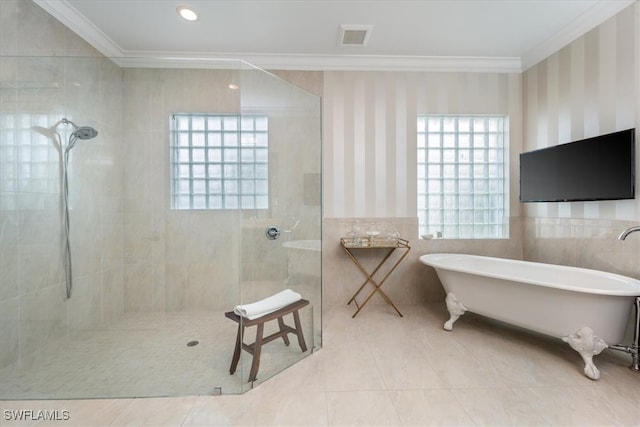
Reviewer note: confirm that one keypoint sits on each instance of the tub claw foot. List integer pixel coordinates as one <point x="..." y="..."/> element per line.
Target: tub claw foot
<point x="456" y="309"/>
<point x="588" y="344"/>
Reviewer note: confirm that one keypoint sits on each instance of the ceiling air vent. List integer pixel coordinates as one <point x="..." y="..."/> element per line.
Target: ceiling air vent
<point x="354" y="35"/>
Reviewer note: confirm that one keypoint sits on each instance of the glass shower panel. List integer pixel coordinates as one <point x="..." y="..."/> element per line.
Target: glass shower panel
<point x="58" y="309"/>
<point x="168" y="206"/>
<point x="287" y="181"/>
<point x="145" y="316"/>
<point x="176" y="192"/>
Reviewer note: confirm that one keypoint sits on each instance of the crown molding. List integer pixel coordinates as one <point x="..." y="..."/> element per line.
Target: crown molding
<point x="321" y="62"/>
<point x="79" y="24"/>
<point x="589" y="20"/>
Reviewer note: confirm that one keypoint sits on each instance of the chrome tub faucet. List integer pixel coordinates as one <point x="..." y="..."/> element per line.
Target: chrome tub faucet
<point x="628" y="231"/>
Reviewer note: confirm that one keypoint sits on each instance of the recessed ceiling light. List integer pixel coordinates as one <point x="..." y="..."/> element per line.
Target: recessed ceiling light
<point x="187" y="13"/>
<point x="233" y="86"/>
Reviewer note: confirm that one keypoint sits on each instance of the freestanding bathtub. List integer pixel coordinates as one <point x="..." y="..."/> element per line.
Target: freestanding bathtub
<point x="588" y="309"/>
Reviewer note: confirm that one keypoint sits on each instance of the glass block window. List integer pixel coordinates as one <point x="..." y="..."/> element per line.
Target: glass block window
<point x="462" y="181"/>
<point x="29" y="161"/>
<point x="219" y="161"/>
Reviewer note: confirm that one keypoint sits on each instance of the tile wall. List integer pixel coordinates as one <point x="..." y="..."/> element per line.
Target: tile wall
<point x="48" y="73"/>
<point x="182" y="260"/>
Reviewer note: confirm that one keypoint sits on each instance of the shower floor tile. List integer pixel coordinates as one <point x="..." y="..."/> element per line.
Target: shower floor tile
<point x="146" y="354"/>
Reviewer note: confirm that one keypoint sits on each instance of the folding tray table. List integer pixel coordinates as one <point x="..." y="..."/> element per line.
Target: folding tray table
<point x="389" y="247"/>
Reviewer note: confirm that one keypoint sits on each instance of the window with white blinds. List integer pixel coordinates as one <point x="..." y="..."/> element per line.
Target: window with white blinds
<point x="219" y="162"/>
<point x="462" y="177"/>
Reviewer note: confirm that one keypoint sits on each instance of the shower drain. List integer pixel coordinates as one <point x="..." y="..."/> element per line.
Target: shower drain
<point x="192" y="343"/>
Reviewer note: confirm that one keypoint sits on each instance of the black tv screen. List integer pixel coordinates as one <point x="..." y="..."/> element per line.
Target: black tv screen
<point x="598" y="168"/>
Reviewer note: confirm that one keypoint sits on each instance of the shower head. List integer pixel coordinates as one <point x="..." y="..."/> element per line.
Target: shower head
<point x="85" y="132"/>
<point x="81" y="132"/>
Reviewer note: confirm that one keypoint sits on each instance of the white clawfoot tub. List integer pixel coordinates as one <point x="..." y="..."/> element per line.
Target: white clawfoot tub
<point x="588" y="309"/>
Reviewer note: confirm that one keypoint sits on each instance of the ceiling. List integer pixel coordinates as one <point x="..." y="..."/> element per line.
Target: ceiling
<point x="496" y="35"/>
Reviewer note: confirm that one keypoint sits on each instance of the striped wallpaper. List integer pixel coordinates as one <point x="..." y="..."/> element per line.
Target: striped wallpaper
<point x="590" y="87"/>
<point x="369" y="132"/>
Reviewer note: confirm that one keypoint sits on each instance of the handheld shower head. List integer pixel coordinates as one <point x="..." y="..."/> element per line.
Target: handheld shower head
<point x="85" y="132"/>
<point x="80" y="132"/>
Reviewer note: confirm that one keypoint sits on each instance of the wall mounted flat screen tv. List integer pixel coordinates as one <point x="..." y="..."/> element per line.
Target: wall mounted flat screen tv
<point x="598" y="168"/>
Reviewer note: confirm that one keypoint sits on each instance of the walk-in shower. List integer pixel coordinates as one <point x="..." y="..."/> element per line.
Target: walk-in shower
<point x="84" y="132"/>
<point x="164" y="214"/>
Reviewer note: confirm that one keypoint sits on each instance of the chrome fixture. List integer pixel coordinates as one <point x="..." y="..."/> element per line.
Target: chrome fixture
<point x="634" y="348"/>
<point x="79" y="132"/>
<point x="272" y="232"/>
<point x="628" y="231"/>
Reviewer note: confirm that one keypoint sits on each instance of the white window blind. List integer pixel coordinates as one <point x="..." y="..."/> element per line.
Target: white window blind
<point x="462" y="180"/>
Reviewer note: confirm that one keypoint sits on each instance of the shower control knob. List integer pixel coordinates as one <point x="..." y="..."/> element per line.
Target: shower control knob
<point x="272" y="232"/>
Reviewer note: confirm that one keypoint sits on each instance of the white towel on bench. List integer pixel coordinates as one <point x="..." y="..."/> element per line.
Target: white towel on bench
<point x="267" y="305"/>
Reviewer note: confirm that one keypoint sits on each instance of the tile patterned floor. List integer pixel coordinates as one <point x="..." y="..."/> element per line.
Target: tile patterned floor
<point x="146" y="354"/>
<point x="380" y="369"/>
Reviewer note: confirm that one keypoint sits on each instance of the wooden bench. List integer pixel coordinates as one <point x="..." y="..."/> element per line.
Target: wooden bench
<point x="255" y="348"/>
